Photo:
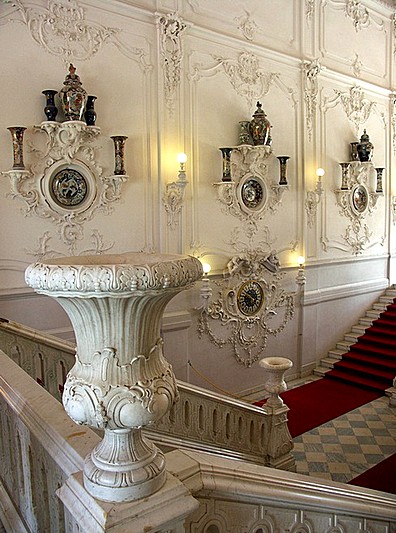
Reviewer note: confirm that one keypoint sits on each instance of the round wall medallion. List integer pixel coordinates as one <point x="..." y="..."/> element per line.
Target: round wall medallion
<point x="68" y="187"/>
<point x="250" y="298"/>
<point x="360" y="199"/>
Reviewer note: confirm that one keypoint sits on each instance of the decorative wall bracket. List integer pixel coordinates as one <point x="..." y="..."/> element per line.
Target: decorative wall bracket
<point x="64" y="183"/>
<point x="249" y="191"/>
<point x="357" y="198"/>
<point x="250" y="304"/>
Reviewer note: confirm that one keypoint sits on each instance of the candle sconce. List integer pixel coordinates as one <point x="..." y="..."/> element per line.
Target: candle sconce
<point x="313" y="198"/>
<point x="173" y="198"/>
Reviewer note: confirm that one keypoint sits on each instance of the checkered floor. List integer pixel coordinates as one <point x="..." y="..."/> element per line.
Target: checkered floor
<point x="349" y="445"/>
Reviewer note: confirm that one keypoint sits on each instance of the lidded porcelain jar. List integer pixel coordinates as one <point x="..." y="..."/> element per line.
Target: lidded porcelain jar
<point x="365" y="148"/>
<point x="73" y="96"/>
<point x="259" y="127"/>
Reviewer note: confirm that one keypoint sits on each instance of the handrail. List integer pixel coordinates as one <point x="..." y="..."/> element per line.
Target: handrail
<point x="200" y="420"/>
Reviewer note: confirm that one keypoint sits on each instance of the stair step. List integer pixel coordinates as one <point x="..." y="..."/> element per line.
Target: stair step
<point x="366" y="322"/>
<point x="373" y="314"/>
<point x="386" y="300"/>
<point x="353" y="367"/>
<point x="377" y="385"/>
<point x="328" y="362"/>
<point x="379" y="307"/>
<point x="371" y="360"/>
<point x="321" y="371"/>
<point x="374" y="349"/>
<point x="359" y="330"/>
<point x="352" y="337"/>
<point x="336" y="354"/>
<point x="344" y="346"/>
<point x="385" y="338"/>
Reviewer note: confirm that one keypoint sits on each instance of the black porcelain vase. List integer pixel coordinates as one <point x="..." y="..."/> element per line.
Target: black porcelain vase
<point x="90" y="113"/>
<point x="50" y="108"/>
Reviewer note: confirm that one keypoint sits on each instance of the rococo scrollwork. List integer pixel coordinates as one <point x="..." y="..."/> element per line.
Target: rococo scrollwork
<point x="65" y="182"/>
<point x="250" y="306"/>
<point x="356" y="200"/>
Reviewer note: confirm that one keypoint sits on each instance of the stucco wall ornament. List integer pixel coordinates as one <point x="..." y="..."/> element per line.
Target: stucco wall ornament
<point x="358" y="13"/>
<point x="65" y="182"/>
<point x="251" y="191"/>
<point x="356" y="106"/>
<point x="309" y="10"/>
<point x="62" y="30"/>
<point x="249" y="305"/>
<point x="45" y="251"/>
<point x="247" y="26"/>
<point x="311" y="70"/>
<point x="393" y="118"/>
<point x="246" y="77"/>
<point x="171" y="29"/>
<point x="356" y="200"/>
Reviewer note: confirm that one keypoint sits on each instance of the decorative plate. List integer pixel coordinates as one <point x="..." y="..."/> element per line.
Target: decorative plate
<point x="250" y="298"/>
<point x="68" y="187"/>
<point x="252" y="193"/>
<point x="360" y="199"/>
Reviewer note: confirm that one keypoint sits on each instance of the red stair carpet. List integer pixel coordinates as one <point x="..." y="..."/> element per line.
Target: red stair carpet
<point x="359" y="378"/>
<point x="371" y="361"/>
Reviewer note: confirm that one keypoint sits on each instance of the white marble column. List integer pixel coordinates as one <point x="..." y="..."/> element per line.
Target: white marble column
<point x="121" y="381"/>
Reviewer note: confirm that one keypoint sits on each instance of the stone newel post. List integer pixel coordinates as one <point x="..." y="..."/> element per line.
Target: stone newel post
<point x="121" y="381"/>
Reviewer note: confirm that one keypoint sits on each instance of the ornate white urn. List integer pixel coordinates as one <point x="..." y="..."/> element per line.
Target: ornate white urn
<point x="121" y="381"/>
<point x="275" y="383"/>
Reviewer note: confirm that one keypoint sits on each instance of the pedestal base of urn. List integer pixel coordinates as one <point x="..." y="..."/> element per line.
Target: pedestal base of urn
<point x="124" y="467"/>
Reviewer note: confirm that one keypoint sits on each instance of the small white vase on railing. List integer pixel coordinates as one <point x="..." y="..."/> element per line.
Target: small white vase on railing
<point x="274" y="383"/>
<point x="121" y="381"/>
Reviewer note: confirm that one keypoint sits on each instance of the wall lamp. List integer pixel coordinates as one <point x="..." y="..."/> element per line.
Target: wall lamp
<point x="174" y="193"/>
<point x="313" y="197"/>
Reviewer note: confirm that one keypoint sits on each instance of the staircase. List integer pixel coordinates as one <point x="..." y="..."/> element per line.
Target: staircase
<point x="367" y="355"/>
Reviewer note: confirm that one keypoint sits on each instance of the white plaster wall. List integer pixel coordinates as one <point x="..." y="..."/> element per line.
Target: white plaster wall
<point x="126" y="72"/>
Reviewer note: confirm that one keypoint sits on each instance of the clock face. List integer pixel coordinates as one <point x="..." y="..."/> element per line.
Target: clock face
<point x="359" y="198"/>
<point x="250" y="298"/>
<point x="68" y="187"/>
<point x="252" y="193"/>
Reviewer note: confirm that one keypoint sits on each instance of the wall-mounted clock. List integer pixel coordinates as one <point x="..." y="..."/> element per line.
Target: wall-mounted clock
<point x="250" y="297"/>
